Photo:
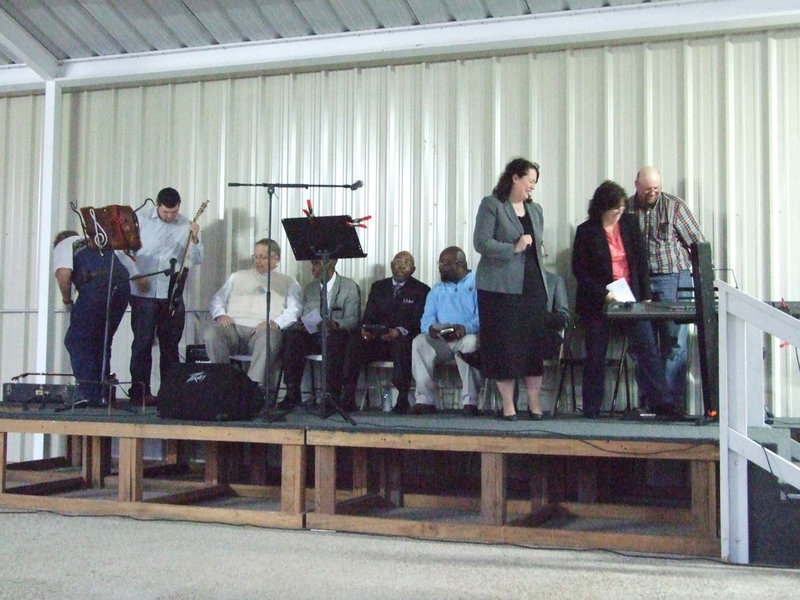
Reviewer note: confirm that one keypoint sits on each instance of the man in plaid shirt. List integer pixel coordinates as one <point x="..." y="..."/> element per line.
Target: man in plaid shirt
<point x="669" y="229"/>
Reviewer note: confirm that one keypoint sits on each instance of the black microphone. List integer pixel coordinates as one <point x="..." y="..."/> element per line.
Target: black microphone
<point x="358" y="184"/>
<point x="235" y="184"/>
<point x="171" y="271"/>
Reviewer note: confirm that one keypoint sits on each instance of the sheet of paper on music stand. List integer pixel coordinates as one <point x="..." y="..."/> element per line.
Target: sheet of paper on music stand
<point x="312" y="321"/>
<point x="621" y="290"/>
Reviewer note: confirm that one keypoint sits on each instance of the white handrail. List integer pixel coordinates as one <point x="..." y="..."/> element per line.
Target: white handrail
<point x="743" y="320"/>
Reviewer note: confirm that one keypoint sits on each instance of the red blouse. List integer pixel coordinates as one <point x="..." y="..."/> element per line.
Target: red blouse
<point x="619" y="260"/>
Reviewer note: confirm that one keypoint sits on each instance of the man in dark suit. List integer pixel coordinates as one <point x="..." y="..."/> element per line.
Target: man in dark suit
<point x="304" y="337"/>
<point x="391" y="321"/>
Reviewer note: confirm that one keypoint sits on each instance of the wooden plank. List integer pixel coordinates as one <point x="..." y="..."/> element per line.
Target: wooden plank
<point x="558" y="538"/>
<point x="41" y="464"/>
<point x="293" y="479"/>
<point x="94" y="460"/>
<point x="325" y="479"/>
<point x="151" y="510"/>
<point x="629" y="512"/>
<point x="362" y="504"/>
<point x="196" y="495"/>
<point x="704" y="498"/>
<point x="39" y="476"/>
<point x="493" y="488"/>
<point x="444" y="502"/>
<point x="165" y="431"/>
<point x="44" y="488"/>
<point x="393" y="479"/>
<point x="213" y="473"/>
<point x="265" y="492"/>
<point x="130" y="487"/>
<point x="74" y="452"/>
<point x="538" y="483"/>
<point x="465" y="442"/>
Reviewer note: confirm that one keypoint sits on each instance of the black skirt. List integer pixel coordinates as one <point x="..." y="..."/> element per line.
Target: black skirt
<point x="512" y="327"/>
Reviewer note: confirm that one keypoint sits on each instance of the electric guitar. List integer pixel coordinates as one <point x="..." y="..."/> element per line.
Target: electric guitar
<point x="179" y="278"/>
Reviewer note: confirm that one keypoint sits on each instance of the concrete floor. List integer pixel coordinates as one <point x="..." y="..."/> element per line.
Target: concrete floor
<point x="45" y="556"/>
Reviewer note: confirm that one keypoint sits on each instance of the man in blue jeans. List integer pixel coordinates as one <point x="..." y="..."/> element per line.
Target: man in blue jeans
<point x="76" y="264"/>
<point x="669" y="229"/>
<point x="166" y="234"/>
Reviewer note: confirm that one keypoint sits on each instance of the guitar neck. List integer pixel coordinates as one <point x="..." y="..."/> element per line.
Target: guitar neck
<point x="189" y="241"/>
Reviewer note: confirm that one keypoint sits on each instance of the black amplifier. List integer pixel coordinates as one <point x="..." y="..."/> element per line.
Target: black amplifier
<point x="38" y="393"/>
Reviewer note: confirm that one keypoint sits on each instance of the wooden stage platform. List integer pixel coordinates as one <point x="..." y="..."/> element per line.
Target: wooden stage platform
<point x="562" y="482"/>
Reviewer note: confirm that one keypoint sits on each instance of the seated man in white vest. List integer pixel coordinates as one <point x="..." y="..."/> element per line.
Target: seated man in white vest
<point x="239" y="310"/>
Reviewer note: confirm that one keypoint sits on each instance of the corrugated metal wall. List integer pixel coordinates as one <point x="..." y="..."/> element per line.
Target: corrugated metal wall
<point x="717" y="115"/>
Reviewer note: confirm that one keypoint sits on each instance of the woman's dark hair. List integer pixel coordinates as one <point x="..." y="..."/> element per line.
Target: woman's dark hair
<point x="607" y="196"/>
<point x="168" y="197"/>
<point x="518" y="167"/>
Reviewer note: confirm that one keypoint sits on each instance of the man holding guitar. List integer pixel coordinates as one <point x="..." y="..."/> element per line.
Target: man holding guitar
<point x="169" y="242"/>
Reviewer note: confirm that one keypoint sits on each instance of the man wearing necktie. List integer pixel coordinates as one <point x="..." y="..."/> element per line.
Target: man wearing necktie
<point x="391" y="321"/>
<point x="344" y="310"/>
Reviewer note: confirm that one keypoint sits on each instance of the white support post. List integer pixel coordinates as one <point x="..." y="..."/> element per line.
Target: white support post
<point x="48" y="192"/>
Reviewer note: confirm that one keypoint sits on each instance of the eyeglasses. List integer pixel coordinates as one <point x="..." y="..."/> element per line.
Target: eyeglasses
<point x="264" y="256"/>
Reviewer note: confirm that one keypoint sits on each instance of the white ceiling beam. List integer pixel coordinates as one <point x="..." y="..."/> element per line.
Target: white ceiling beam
<point x="641" y="22"/>
<point x="26" y="49"/>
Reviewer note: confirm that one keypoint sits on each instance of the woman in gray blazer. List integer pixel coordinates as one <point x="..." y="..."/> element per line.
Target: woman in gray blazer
<point x="512" y="293"/>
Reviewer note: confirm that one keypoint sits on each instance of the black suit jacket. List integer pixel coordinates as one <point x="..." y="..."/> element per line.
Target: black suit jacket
<point x="591" y="263"/>
<point x="405" y="311"/>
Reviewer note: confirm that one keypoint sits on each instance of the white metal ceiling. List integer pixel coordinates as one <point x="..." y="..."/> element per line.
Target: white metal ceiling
<point x="81" y="43"/>
<point x="74" y="29"/>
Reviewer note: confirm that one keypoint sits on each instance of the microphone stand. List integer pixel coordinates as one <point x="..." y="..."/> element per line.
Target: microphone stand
<point x="270" y="196"/>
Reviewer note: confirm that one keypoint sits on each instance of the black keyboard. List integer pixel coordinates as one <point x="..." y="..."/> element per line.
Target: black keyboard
<point x="683" y="312"/>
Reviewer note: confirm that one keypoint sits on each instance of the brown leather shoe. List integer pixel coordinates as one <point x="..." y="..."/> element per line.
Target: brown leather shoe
<point x="423" y="409"/>
<point x="150" y="400"/>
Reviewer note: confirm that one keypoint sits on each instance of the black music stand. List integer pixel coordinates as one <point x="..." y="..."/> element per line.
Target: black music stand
<point x="270" y="195"/>
<point x="324" y="238"/>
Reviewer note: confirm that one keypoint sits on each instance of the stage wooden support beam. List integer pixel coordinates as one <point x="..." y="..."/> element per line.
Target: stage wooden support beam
<point x="379" y="458"/>
<point x="213" y="474"/>
<point x="74" y="449"/>
<point x="95" y="466"/>
<point x="493" y="488"/>
<point x="705" y="503"/>
<point x="325" y="479"/>
<point x="131" y="469"/>
<point x="57" y="486"/>
<point x="393" y="477"/>
<point x="293" y="479"/>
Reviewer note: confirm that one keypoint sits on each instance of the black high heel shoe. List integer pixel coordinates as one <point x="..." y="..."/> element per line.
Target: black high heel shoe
<point x="535" y="416"/>
<point x="503" y="417"/>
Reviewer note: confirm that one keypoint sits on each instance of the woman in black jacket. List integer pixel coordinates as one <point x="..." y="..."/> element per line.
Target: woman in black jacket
<point x="609" y="246"/>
